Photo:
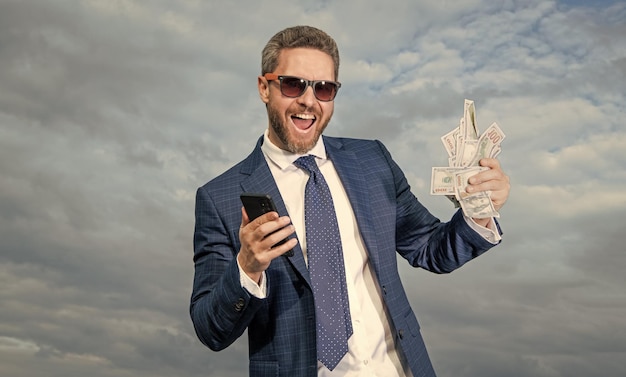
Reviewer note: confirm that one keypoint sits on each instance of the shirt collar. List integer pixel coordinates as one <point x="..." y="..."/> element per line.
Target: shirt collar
<point x="284" y="159"/>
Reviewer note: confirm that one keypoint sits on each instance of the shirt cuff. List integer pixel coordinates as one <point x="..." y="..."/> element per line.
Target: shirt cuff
<point x="256" y="290"/>
<point x="489" y="233"/>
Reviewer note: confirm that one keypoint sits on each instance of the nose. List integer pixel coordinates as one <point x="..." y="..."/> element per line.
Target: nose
<point x="308" y="97"/>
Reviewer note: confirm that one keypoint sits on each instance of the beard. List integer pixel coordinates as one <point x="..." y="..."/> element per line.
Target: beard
<point x="290" y="143"/>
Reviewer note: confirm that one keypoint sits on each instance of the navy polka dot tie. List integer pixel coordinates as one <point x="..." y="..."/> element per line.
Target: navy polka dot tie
<point x="326" y="268"/>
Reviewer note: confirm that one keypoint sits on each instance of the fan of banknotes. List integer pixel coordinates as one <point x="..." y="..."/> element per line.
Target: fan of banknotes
<point x="465" y="149"/>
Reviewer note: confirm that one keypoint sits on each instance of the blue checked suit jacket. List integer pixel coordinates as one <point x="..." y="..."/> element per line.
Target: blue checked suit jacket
<point x="281" y="327"/>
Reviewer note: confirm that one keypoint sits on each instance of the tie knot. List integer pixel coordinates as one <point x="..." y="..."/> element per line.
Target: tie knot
<point x="307" y="163"/>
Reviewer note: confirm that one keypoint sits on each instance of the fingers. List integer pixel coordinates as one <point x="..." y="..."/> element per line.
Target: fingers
<point x="274" y="241"/>
<point x="245" y="219"/>
<point x="267" y="234"/>
<point x="487" y="177"/>
<point x="490" y="163"/>
<point x="259" y="238"/>
<point x="493" y="180"/>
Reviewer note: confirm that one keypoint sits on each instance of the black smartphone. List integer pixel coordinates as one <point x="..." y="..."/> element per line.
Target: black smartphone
<point x="257" y="205"/>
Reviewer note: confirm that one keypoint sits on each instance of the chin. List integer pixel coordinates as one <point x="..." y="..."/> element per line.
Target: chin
<point x="301" y="146"/>
<point x="302" y="143"/>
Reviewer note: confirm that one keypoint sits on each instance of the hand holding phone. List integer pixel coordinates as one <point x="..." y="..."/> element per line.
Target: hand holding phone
<point x="260" y="204"/>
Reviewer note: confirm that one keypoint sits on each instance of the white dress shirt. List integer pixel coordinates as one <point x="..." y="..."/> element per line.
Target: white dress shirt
<point x="371" y="348"/>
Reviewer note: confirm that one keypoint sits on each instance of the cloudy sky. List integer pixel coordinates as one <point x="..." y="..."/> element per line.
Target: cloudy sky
<point x="113" y="112"/>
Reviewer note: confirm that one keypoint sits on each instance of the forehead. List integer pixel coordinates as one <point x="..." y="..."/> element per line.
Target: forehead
<point x="307" y="63"/>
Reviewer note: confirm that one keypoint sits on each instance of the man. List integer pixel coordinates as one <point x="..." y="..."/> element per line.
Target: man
<point x="244" y="279"/>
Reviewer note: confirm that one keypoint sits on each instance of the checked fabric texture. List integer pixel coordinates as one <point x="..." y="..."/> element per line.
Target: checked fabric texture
<point x="326" y="267"/>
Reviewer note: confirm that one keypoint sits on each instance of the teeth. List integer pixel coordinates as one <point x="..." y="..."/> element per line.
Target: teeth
<point x="305" y="116"/>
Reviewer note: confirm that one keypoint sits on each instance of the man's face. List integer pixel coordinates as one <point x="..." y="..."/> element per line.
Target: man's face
<point x="295" y="124"/>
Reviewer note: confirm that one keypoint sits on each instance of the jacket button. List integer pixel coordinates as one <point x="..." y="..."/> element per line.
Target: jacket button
<point x="240" y="304"/>
<point x="384" y="290"/>
<point x="401" y="334"/>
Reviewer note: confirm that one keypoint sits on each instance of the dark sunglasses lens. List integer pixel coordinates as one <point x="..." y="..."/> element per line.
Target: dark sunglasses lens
<point x="325" y="91"/>
<point x="292" y="86"/>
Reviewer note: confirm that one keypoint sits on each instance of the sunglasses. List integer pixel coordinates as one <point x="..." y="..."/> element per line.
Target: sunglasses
<point x="293" y="87"/>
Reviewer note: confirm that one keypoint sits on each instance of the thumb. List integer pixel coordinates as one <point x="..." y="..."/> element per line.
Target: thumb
<point x="245" y="220"/>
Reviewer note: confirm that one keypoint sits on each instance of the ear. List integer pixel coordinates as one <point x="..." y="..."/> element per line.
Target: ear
<point x="264" y="89"/>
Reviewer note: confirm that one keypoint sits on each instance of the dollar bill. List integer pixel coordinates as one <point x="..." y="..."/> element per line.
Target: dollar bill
<point x="469" y="118"/>
<point x="449" y="141"/>
<point x="488" y="145"/>
<point x="465" y="148"/>
<point x="443" y="179"/>
<point x="478" y="206"/>
<point x="475" y="205"/>
<point x="468" y="135"/>
<point x="469" y="150"/>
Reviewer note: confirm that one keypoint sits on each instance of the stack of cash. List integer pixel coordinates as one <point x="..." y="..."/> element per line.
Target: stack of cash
<point x="465" y="149"/>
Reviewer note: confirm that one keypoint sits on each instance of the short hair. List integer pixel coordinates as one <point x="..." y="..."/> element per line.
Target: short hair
<point x="298" y="37"/>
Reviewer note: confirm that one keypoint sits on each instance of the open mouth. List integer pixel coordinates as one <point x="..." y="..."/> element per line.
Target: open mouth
<point x="303" y="121"/>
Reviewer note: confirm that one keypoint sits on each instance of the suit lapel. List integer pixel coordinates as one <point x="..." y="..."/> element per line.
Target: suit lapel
<point x="260" y="180"/>
<point x="350" y="171"/>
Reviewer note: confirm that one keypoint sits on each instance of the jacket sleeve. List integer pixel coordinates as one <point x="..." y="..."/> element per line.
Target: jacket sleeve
<point x="221" y="308"/>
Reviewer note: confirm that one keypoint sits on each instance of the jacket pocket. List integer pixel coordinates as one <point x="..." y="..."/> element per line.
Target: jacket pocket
<point x="412" y="324"/>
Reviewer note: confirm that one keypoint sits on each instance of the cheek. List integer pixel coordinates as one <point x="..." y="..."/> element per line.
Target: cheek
<point x="328" y="109"/>
<point x="278" y="102"/>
